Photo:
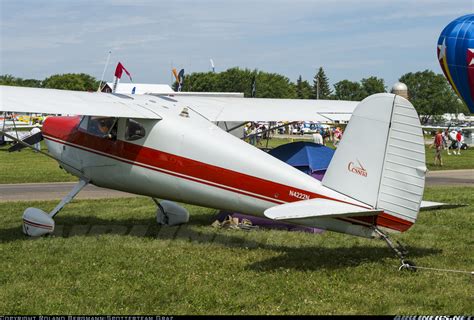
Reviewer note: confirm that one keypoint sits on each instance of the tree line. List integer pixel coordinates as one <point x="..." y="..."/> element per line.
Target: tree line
<point x="429" y="92"/>
<point x="260" y="84"/>
<point x="67" y="81"/>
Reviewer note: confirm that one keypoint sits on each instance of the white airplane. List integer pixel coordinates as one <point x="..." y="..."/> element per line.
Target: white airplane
<point x="167" y="147"/>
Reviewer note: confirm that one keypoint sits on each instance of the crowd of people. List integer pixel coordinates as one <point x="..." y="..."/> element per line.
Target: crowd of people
<point x="256" y="132"/>
<point x="323" y="136"/>
<point x="451" y="141"/>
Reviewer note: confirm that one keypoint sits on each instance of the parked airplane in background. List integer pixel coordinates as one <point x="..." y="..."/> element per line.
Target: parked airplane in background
<point x="167" y="147"/>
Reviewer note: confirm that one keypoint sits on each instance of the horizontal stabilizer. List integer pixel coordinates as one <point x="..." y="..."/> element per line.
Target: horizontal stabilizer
<point x="317" y="208"/>
<point x="430" y="205"/>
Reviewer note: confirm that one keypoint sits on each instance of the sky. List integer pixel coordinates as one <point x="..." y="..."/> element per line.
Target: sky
<point x="350" y="39"/>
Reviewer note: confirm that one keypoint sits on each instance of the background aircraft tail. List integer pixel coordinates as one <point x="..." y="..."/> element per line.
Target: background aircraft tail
<point x="381" y="158"/>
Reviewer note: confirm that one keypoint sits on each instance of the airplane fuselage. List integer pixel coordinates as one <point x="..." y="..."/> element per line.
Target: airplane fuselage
<point x="191" y="160"/>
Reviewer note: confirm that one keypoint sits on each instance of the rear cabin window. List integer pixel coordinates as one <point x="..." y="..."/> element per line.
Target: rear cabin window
<point x="134" y="130"/>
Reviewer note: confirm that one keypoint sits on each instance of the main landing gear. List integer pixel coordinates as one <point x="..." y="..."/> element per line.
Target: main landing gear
<point x="170" y="213"/>
<point x="400" y="250"/>
<point x="36" y="222"/>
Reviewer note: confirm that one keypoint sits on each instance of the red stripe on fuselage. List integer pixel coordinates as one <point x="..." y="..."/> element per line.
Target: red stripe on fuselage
<point x="65" y="129"/>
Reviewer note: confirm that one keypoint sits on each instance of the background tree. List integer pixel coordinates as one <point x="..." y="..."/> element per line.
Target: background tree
<point x="322" y="87"/>
<point x="372" y="85"/>
<point x="200" y="82"/>
<point x="9" y="80"/>
<point x="303" y="89"/>
<point x="236" y="80"/>
<point x="273" y="85"/>
<point x="268" y="85"/>
<point x="348" y="90"/>
<point x="72" y="81"/>
<point x="431" y="95"/>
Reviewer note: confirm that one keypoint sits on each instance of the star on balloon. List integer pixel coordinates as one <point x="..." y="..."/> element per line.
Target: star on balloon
<point x="470" y="55"/>
<point x="442" y="50"/>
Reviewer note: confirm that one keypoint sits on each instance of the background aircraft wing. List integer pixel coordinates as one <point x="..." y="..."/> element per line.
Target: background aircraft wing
<point x="52" y="101"/>
<point x="258" y="109"/>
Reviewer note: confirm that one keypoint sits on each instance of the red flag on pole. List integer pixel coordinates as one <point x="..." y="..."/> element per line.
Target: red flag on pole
<point x="119" y="70"/>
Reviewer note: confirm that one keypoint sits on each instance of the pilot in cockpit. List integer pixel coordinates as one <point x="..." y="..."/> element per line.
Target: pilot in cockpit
<point x="103" y="126"/>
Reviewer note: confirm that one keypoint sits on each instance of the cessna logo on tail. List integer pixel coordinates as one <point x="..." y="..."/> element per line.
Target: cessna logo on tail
<point x="360" y="170"/>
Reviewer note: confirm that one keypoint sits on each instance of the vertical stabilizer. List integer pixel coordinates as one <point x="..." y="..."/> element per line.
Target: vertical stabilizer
<point x="381" y="159"/>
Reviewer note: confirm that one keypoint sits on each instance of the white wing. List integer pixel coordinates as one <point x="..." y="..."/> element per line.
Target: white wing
<point x="257" y="109"/>
<point x="35" y="100"/>
<point x="214" y="108"/>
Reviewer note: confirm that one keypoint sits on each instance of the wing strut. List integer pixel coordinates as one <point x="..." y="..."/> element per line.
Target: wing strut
<point x="32" y="147"/>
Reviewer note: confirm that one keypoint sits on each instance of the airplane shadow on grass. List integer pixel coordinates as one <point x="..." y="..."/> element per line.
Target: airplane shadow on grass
<point x="198" y="232"/>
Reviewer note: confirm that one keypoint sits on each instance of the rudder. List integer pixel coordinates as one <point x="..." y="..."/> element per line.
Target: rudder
<point x="381" y="159"/>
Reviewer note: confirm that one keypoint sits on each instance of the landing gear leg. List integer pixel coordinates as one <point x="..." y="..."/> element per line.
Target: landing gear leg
<point x="161" y="215"/>
<point x="36" y="222"/>
<point x="77" y="188"/>
<point x="400" y="251"/>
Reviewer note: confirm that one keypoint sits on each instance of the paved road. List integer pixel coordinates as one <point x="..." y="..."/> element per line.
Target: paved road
<point x="54" y="191"/>
<point x="451" y="177"/>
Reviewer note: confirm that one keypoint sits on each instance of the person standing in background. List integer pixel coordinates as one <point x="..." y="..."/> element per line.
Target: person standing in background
<point x="459" y="140"/>
<point x="318" y="138"/>
<point x="438" y="144"/>
<point x="445" y="136"/>
<point x="337" y="136"/>
<point x="33" y="131"/>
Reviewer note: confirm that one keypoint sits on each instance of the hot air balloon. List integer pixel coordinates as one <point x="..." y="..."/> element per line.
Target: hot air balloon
<point x="456" y="57"/>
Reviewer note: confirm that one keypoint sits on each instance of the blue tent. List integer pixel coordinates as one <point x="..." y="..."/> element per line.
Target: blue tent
<point x="308" y="157"/>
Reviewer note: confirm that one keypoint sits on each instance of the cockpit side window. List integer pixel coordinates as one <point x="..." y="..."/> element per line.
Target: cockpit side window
<point x="84" y="123"/>
<point x="104" y="127"/>
<point x="134" y="130"/>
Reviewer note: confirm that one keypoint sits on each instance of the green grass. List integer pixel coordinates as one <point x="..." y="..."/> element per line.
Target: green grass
<point x="452" y="162"/>
<point x="99" y="261"/>
<point x="28" y="166"/>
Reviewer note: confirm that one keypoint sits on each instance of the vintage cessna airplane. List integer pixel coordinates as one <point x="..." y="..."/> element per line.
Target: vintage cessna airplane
<point x="168" y="147"/>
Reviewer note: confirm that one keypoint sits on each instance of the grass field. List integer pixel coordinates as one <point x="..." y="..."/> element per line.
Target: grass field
<point x="108" y="256"/>
<point x="27" y="166"/>
<point x="451" y="162"/>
